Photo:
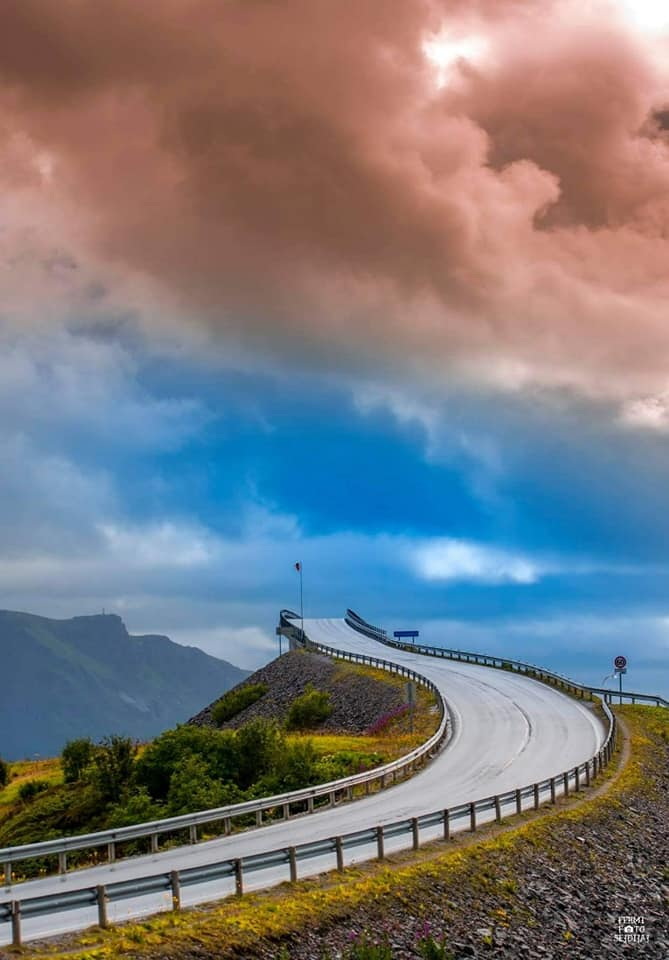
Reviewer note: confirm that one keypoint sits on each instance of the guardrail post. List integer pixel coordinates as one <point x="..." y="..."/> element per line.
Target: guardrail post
<point x="111" y="851"/>
<point x="498" y="810"/>
<point x="292" y="860"/>
<point x="553" y="790"/>
<point x="62" y="862"/>
<point x="7" y="870"/>
<point x="587" y="773"/>
<point x="535" y="790"/>
<point x="447" y="824"/>
<point x="415" y="833"/>
<point x="227" y="823"/>
<point x="192" y="834"/>
<point x="154" y="843"/>
<point x="519" y="801"/>
<point x="565" y="780"/>
<point x="310" y="804"/>
<point x="239" y="878"/>
<point x="332" y="798"/>
<point x="175" y="885"/>
<point x="101" y="897"/>
<point x="380" y="852"/>
<point x="16" y="923"/>
<point x="577" y="779"/>
<point x="472" y="817"/>
<point x="258" y="818"/>
<point x="339" y="850"/>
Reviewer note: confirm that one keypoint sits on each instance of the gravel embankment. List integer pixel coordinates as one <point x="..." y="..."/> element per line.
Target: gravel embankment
<point x="555" y="890"/>
<point x="357" y="700"/>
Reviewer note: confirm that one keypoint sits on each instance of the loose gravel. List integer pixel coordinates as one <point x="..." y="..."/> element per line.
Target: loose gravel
<point x="358" y="700"/>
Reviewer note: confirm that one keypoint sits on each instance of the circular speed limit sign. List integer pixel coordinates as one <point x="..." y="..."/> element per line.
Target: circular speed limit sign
<point x="620" y="663"/>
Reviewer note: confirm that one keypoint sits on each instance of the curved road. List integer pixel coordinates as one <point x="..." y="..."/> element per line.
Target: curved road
<point x="508" y="731"/>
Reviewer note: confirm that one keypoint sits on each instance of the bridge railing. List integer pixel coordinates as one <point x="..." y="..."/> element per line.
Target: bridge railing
<point x="283" y="806"/>
<point x="572" y="687"/>
<point x="236" y="870"/>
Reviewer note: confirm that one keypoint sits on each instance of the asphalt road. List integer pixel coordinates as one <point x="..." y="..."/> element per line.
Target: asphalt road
<point x="508" y="731"/>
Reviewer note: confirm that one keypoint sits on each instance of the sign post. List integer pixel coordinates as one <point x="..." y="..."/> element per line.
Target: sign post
<point x="620" y="664"/>
<point x="411" y="700"/>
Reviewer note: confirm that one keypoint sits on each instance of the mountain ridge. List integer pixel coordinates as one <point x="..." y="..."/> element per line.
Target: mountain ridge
<point x="87" y="676"/>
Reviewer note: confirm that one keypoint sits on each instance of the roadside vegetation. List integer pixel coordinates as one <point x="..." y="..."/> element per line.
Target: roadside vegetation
<point x="116" y="782"/>
<point x="540" y="881"/>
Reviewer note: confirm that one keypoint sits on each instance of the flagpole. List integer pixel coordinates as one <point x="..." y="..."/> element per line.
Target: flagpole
<point x="301" y="603"/>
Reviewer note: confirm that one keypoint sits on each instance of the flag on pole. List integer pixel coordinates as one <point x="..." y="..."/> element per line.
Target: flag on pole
<point x="298" y="566"/>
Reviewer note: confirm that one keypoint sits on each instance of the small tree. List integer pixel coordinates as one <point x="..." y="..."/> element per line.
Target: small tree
<point x="193" y="788"/>
<point x="4" y="773"/>
<point x="113" y="760"/>
<point x="259" y="746"/>
<point x="75" y="757"/>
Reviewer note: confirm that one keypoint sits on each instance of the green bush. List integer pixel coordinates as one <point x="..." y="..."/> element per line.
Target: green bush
<point x="260" y="745"/>
<point x="112" y="769"/>
<point x="192" y="788"/>
<point x="76" y="756"/>
<point x="4" y="773"/>
<point x="29" y="790"/>
<point x="296" y="766"/>
<point x="309" y="709"/>
<point x="137" y="808"/>
<point x="218" y="751"/>
<point x="234" y="701"/>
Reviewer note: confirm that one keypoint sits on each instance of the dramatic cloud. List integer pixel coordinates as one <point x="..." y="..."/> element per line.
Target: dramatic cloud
<point x="474" y="189"/>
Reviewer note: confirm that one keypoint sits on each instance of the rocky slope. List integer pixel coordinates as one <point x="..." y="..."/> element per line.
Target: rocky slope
<point x="358" y="700"/>
<point x="560" y="887"/>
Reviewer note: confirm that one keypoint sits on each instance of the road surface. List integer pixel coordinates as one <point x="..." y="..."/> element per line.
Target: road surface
<point x="508" y="731"/>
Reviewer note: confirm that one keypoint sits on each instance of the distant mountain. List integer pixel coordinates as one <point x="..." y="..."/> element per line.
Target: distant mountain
<point x="87" y="676"/>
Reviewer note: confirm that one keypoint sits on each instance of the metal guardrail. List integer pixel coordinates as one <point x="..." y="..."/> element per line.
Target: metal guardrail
<point x="334" y="792"/>
<point x="505" y="663"/>
<point x="236" y="869"/>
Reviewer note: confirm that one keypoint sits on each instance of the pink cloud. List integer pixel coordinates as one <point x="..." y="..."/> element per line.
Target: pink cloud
<point x="293" y="172"/>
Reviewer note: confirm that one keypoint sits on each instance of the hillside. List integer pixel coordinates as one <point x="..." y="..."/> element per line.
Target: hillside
<point x="359" y="698"/>
<point x="88" y="677"/>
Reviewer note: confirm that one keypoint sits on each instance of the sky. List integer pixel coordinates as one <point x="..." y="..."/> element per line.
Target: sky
<point x="384" y="294"/>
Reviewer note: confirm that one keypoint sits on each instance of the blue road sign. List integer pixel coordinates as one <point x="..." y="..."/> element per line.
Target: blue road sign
<point x="405" y="633"/>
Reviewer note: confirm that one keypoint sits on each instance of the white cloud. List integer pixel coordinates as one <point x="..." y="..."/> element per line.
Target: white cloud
<point x="449" y="559"/>
<point x="64" y="383"/>
<point x="159" y="545"/>
<point x="647" y="413"/>
<point x="249" y="647"/>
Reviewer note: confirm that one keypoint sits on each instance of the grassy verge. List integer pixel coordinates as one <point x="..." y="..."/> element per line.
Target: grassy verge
<point x="23" y="771"/>
<point x="484" y="867"/>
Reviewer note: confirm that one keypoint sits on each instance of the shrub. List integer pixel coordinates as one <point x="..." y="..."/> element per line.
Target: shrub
<point x="76" y="756"/>
<point x="193" y="788"/>
<point x="309" y="709"/>
<point x="260" y="745"/>
<point x="137" y="808"/>
<point x="29" y="790"/>
<point x="218" y="750"/>
<point x="234" y="701"/>
<point x="4" y="773"/>
<point x="296" y="766"/>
